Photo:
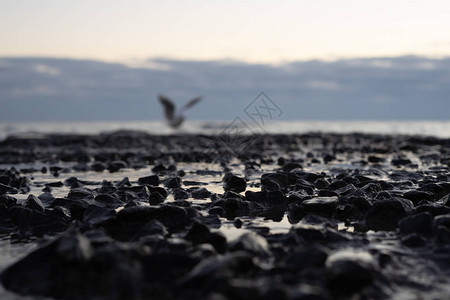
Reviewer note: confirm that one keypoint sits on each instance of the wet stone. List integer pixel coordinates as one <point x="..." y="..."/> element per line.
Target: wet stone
<point x="252" y="243"/>
<point x="319" y="220"/>
<point x="150" y="180"/>
<point x="47" y="189"/>
<point x="349" y="271"/>
<point x="157" y="189"/>
<point x="421" y="223"/>
<point x="416" y="196"/>
<point x="60" y="212"/>
<point x="156" y="198"/>
<point x="274" y="198"/>
<point x="337" y="185"/>
<point x="172" y="183"/>
<point x="200" y="193"/>
<point x="375" y="159"/>
<point x="98" y="167"/>
<point x="298" y="196"/>
<point x="153" y="227"/>
<point x="231" y="194"/>
<point x="55" y="184"/>
<point x="401" y="161"/>
<point x="80" y="193"/>
<point x="327" y="193"/>
<point x="413" y="241"/>
<point x="34" y="203"/>
<point x="301" y="187"/>
<point x="320" y="205"/>
<point x="5" y="189"/>
<point x="234" y="183"/>
<point x="321" y="183"/>
<point x="348" y="189"/>
<point x="76" y="207"/>
<point x="442" y="220"/>
<point x="292" y="166"/>
<point x="159" y="168"/>
<point x="98" y="216"/>
<point x="306" y="257"/>
<point x="385" y="214"/>
<point x="180" y="194"/>
<point x="372" y="188"/>
<point x="5" y="180"/>
<point x="233" y="207"/>
<point x="310" y="232"/>
<point x="65" y="268"/>
<point x="199" y="233"/>
<point x="109" y="200"/>
<point x="436" y="190"/>
<point x="73" y="182"/>
<point x="7" y="200"/>
<point x="173" y="217"/>
<point x="116" y="166"/>
<point x="124" y="182"/>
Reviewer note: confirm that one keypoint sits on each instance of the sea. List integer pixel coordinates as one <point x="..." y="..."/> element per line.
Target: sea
<point x="440" y="129"/>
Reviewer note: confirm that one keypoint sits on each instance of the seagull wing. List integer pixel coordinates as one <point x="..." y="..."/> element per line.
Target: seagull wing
<point x="191" y="103"/>
<point x="169" y="107"/>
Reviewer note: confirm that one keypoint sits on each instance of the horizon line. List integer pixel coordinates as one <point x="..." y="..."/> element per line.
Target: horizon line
<point x="132" y="61"/>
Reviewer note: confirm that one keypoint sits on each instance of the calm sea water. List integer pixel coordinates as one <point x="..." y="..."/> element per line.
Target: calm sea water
<point x="424" y="128"/>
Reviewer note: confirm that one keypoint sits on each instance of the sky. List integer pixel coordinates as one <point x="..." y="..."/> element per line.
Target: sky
<point x="108" y="60"/>
<point x="249" y="31"/>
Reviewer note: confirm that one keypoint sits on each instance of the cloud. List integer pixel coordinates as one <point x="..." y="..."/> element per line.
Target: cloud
<point x="45" y="69"/>
<point x="381" y="63"/>
<point x="409" y="87"/>
<point x="31" y="92"/>
<point x="323" y="84"/>
<point x="151" y="64"/>
<point x="426" y="65"/>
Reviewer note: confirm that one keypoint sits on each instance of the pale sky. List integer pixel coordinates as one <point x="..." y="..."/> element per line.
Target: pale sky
<point x="253" y="31"/>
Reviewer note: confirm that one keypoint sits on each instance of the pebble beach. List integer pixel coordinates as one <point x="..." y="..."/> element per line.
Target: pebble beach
<point x="134" y="215"/>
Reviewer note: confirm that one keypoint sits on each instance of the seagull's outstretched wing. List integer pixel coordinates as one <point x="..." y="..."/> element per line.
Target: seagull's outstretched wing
<point x="191" y="103"/>
<point x="169" y="108"/>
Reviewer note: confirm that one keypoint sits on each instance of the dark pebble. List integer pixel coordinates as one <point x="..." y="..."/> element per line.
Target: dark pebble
<point x="156" y="198"/>
<point x="34" y="203"/>
<point x="173" y="183"/>
<point x="421" y="223"/>
<point x="180" y="194"/>
<point x="324" y="206"/>
<point x="349" y="271"/>
<point x="234" y="183"/>
<point x="252" y="243"/>
<point x="200" y="193"/>
<point x="150" y="180"/>
<point x="413" y="240"/>
<point x="417" y="196"/>
<point x="385" y="214"/>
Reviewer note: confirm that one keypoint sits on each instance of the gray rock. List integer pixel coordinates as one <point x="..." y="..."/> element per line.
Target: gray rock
<point x="234" y="183"/>
<point x="420" y="223"/>
<point x="385" y="214"/>
<point x="34" y="203"/>
<point x="348" y="271"/>
<point x="252" y="243"/>
<point x="323" y="206"/>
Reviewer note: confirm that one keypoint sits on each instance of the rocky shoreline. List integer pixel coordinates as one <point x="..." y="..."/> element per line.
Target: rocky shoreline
<point x="148" y="216"/>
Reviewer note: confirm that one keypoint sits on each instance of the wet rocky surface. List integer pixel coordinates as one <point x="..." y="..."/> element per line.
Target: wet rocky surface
<point x="127" y="215"/>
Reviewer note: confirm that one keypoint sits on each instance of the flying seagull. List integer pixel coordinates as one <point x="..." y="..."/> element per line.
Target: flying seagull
<point x="175" y="120"/>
